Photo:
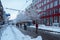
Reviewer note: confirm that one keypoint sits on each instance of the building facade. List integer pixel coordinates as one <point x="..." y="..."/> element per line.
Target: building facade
<point x="1" y="14"/>
<point x="49" y="11"/>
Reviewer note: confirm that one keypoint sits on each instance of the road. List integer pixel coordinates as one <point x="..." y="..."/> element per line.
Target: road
<point x="46" y="35"/>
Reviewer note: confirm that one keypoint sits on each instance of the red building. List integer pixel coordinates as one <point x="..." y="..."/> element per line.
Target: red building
<point x="50" y="11"/>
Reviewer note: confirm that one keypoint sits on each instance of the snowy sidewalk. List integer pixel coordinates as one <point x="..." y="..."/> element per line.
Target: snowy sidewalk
<point x="48" y="28"/>
<point x="12" y="33"/>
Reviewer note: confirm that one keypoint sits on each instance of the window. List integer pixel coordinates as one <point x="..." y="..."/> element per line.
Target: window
<point x="55" y="19"/>
<point x="59" y="10"/>
<point x="47" y="1"/>
<point x="51" y="12"/>
<point x="36" y="1"/>
<point x="39" y="0"/>
<point x="44" y="8"/>
<point x="55" y="3"/>
<point x="51" y="21"/>
<point x="42" y="13"/>
<point x="48" y="6"/>
<point x="48" y="12"/>
<point x="0" y="17"/>
<point x="40" y="5"/>
<point x="1" y="8"/>
<point x="32" y="0"/>
<point x="59" y="2"/>
<point x="51" y="5"/>
<point x="50" y="0"/>
<point x="45" y="13"/>
<point x="56" y="10"/>
<point x="44" y="1"/>
<point x="45" y="21"/>
<point x="0" y="13"/>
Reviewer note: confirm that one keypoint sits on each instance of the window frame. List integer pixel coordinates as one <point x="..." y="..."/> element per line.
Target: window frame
<point x="55" y="3"/>
<point x="51" y="5"/>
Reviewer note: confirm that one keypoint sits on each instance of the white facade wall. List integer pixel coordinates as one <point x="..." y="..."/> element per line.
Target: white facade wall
<point x="33" y="11"/>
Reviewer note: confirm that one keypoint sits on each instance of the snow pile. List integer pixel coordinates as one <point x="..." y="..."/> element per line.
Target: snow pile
<point x="50" y="28"/>
<point x="7" y="35"/>
<point x="12" y="33"/>
<point x="29" y="38"/>
<point x="38" y="38"/>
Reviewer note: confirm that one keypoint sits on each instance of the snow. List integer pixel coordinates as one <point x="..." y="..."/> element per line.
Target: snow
<point x="7" y="35"/>
<point x="50" y="28"/>
<point x="55" y="33"/>
<point x="12" y="33"/>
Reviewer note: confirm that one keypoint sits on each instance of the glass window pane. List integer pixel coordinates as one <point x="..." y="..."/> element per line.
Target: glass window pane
<point x="44" y="1"/>
<point x="55" y="19"/>
<point x="59" y="10"/>
<point x="50" y="0"/>
<point x="51" y="5"/>
<point x="51" y="12"/>
<point x="47" y="6"/>
<point x="47" y="1"/>
<point x="44" y="8"/>
<point x="55" y="3"/>
<point x="51" y="21"/>
<point x="39" y="5"/>
<point x="45" y="21"/>
<point x="56" y="10"/>
<point x="59" y="2"/>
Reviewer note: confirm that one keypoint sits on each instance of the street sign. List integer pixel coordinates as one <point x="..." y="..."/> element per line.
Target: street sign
<point x="7" y="14"/>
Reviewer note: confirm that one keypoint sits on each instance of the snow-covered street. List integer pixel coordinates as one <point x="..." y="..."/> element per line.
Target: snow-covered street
<point x="12" y="33"/>
<point x="29" y="19"/>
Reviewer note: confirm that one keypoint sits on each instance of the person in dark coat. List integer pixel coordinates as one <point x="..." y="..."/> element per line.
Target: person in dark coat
<point x="25" y="27"/>
<point x="36" y="27"/>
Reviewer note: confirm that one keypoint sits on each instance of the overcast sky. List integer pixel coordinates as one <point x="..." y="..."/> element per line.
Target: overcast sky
<point x="15" y="4"/>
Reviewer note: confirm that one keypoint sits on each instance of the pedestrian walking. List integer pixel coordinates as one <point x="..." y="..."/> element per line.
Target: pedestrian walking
<point x="36" y="27"/>
<point x="20" y="25"/>
<point x="25" y="27"/>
